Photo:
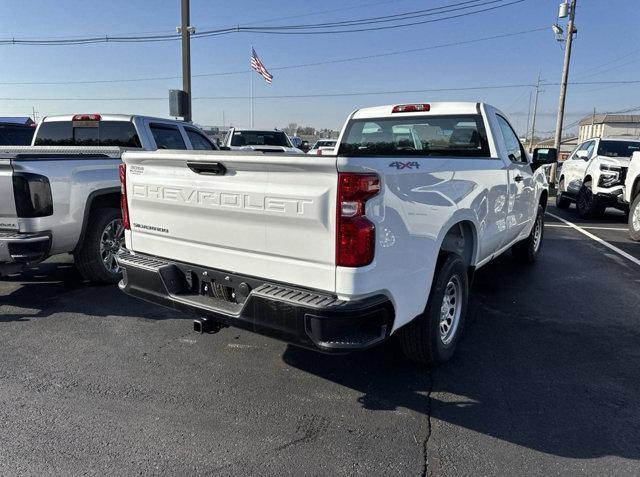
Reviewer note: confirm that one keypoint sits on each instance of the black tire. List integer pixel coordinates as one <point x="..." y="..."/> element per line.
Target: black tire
<point x="527" y="250"/>
<point x="562" y="202"/>
<point x="88" y="257"/>
<point x="589" y="206"/>
<point x="634" y="219"/>
<point x="422" y="340"/>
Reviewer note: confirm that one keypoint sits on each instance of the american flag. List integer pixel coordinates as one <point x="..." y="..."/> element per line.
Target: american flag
<point x="257" y="65"/>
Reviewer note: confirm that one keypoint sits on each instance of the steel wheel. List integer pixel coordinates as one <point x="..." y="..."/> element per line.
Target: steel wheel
<point x="537" y="234"/>
<point x="450" y="310"/>
<point x="635" y="219"/>
<point x="111" y="240"/>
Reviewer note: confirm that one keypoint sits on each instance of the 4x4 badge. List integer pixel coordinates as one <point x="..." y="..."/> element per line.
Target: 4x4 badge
<point x="405" y="165"/>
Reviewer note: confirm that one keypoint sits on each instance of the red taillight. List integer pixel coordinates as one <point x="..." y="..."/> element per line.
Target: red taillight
<point x="355" y="234"/>
<point x="123" y="197"/>
<point x="411" y="108"/>
<point x="87" y="117"/>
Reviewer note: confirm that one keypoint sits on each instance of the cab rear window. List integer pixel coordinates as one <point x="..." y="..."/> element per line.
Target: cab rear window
<point x="101" y="133"/>
<point x="417" y="135"/>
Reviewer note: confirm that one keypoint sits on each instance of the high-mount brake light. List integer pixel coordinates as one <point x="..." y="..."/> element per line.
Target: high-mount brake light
<point x="124" y="207"/>
<point x="355" y="234"/>
<point x="87" y="117"/>
<point x="411" y="108"/>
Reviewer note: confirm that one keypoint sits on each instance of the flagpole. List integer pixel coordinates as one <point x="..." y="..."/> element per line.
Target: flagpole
<point x="251" y="80"/>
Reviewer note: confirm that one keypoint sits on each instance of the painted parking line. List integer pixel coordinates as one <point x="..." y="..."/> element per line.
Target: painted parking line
<point x="597" y="239"/>
<point x="618" y="229"/>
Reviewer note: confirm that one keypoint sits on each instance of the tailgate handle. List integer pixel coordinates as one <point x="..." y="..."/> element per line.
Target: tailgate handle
<point x="207" y="168"/>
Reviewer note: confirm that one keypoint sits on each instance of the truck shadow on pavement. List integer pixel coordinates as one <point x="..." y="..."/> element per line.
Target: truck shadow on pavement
<point x="57" y="287"/>
<point x="525" y="372"/>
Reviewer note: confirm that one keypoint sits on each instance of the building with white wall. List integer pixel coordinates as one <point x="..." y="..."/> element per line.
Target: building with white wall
<point x="607" y="125"/>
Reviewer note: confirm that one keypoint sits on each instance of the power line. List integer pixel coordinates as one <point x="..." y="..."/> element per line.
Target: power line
<point x="286" y="67"/>
<point x="327" y="95"/>
<point x="316" y="29"/>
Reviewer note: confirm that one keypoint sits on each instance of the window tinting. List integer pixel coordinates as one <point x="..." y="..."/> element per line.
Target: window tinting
<point x="198" y="141"/>
<point x="107" y="133"/>
<point x="119" y="133"/>
<point x="511" y="141"/>
<point x="16" y="135"/>
<point x="57" y="133"/>
<point x="167" y="137"/>
<point x="259" y="138"/>
<point x="618" y="148"/>
<point x="460" y="135"/>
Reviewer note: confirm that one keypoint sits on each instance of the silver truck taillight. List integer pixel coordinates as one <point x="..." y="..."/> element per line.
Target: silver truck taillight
<point x="355" y="234"/>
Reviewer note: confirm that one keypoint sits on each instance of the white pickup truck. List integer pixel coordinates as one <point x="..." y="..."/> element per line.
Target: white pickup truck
<point x="62" y="195"/>
<point x="594" y="175"/>
<point x="336" y="253"/>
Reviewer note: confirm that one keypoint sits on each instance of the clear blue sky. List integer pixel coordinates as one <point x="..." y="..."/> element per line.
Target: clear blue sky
<point x="608" y="35"/>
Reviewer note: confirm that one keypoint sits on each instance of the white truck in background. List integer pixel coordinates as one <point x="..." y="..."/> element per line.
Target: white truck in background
<point x="260" y="140"/>
<point x="336" y="253"/>
<point x="62" y="194"/>
<point x="594" y="175"/>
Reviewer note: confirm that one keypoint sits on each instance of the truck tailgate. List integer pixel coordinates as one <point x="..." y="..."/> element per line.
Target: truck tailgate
<point x="264" y="216"/>
<point x="8" y="216"/>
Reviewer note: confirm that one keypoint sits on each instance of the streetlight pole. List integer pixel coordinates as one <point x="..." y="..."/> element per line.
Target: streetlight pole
<point x="563" y="86"/>
<point x="186" y="57"/>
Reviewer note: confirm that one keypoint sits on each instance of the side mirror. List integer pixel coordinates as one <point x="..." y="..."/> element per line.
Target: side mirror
<point x="225" y="148"/>
<point x="584" y="155"/>
<point x="544" y="156"/>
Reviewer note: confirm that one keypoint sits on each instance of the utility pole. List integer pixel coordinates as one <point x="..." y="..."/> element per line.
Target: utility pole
<point x="33" y="109"/>
<point x="563" y="85"/>
<point x="535" y="112"/>
<point x="185" y="30"/>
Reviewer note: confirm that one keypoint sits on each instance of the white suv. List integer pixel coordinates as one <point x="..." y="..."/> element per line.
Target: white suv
<point x="594" y="175"/>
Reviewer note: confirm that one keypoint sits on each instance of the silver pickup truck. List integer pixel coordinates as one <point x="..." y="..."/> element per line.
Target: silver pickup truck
<point x="62" y="194"/>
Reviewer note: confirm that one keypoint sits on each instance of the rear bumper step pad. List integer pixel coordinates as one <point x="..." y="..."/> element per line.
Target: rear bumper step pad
<point x="307" y="318"/>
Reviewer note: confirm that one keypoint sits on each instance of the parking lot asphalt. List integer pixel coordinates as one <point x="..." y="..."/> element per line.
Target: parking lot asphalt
<point x="545" y="381"/>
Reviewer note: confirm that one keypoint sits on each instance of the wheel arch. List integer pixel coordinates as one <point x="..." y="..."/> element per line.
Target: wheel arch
<point x="544" y="199"/>
<point x="98" y="199"/>
<point x="461" y="238"/>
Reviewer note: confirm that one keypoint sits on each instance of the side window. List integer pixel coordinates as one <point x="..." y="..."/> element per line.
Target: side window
<point x="511" y="141"/>
<point x="167" y="137"/>
<point x="590" y="146"/>
<point x="198" y="141"/>
<point x="573" y="154"/>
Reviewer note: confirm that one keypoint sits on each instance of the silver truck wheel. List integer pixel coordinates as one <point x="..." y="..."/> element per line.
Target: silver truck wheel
<point x="110" y="242"/>
<point x="95" y="256"/>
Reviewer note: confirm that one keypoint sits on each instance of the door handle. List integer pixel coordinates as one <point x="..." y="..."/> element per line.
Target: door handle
<point x="518" y="178"/>
<point x="207" y="168"/>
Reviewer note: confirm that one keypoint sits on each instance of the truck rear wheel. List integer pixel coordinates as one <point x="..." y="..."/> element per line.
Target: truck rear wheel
<point x="95" y="258"/>
<point x="431" y="338"/>
<point x="588" y="204"/>
<point x="634" y="219"/>
<point x="528" y="249"/>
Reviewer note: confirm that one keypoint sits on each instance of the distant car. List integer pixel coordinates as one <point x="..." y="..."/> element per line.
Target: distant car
<point x="327" y="145"/>
<point x="259" y="140"/>
<point x="593" y="177"/>
<point x="16" y="134"/>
